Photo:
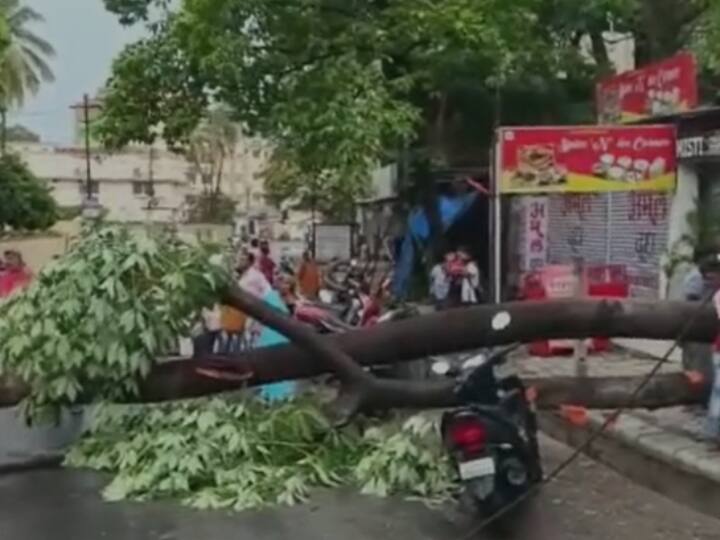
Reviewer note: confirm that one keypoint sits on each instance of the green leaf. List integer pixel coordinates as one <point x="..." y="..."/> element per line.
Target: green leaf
<point x="206" y="420"/>
<point x="117" y="490"/>
<point x="127" y="321"/>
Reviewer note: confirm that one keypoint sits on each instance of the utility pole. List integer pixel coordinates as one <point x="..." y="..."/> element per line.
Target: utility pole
<point x="88" y="166"/>
<point x="86" y="106"/>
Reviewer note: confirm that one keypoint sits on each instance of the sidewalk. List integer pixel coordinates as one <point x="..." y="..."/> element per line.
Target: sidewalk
<point x="663" y="450"/>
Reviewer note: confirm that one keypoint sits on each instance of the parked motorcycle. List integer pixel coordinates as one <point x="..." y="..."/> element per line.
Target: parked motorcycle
<point x="492" y="436"/>
<point x="362" y="311"/>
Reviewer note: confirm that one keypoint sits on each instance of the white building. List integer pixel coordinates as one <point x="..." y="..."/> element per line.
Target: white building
<point x="124" y="181"/>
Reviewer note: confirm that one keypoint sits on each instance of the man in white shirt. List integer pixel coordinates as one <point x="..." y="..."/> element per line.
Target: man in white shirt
<point x="439" y="284"/>
<point x="471" y="288"/>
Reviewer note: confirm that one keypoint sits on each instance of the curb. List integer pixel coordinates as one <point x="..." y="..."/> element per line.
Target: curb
<point x="34" y="463"/>
<point x="675" y="466"/>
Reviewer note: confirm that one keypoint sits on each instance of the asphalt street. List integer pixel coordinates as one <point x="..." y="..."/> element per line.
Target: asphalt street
<point x="589" y="502"/>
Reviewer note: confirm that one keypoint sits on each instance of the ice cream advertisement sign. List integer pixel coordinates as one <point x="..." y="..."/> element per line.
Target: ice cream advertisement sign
<point x="663" y="88"/>
<point x="586" y="159"/>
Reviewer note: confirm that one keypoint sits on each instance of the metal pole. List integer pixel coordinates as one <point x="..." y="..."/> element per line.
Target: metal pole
<point x="497" y="227"/>
<point x="496" y="201"/>
<point x="86" y="117"/>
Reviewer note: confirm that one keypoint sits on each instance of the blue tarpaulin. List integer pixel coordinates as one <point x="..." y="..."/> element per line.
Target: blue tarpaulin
<point x="418" y="233"/>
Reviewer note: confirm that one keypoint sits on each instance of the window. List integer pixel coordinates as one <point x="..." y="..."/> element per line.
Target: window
<point x="143" y="188"/>
<point x="94" y="187"/>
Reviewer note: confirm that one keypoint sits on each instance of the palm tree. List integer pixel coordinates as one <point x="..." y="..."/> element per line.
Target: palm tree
<point x="23" y="61"/>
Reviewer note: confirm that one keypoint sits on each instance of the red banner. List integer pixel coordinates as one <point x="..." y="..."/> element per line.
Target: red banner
<point x="586" y="159"/>
<point x="666" y="87"/>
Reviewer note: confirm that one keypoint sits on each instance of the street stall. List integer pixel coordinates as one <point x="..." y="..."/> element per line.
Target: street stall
<point x="585" y="197"/>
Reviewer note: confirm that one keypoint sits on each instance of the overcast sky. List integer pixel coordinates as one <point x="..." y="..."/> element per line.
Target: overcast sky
<point x="86" y="39"/>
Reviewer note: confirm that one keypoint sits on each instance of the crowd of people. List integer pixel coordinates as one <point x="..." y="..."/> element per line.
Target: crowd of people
<point x="456" y="281"/>
<point x="224" y="329"/>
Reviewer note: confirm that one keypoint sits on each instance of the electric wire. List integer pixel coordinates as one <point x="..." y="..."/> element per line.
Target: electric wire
<point x="598" y="432"/>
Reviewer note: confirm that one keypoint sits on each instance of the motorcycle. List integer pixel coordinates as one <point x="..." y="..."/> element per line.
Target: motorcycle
<point x="492" y="436"/>
<point x="362" y="311"/>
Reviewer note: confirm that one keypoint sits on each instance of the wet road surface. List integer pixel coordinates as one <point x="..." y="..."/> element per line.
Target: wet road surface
<point x="589" y="502"/>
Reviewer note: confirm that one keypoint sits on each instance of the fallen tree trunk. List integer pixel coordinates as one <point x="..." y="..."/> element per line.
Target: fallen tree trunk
<point x="464" y="329"/>
<point x="455" y="331"/>
<point x="181" y="379"/>
<point x="467" y="329"/>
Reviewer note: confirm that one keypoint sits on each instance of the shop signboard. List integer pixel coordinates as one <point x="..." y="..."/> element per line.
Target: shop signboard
<point x="333" y="241"/>
<point x="586" y="159"/>
<point x="666" y="87"/>
<point x="701" y="146"/>
<point x="535" y="210"/>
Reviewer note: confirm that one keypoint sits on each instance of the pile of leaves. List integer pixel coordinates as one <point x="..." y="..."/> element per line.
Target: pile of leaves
<point x="242" y="454"/>
<point x="92" y="324"/>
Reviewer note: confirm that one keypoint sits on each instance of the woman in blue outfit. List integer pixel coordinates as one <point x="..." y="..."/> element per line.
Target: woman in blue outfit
<point x="253" y="281"/>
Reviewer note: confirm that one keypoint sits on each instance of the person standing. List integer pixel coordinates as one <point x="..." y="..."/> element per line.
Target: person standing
<point x="471" y="292"/>
<point x="308" y="276"/>
<point x="255" y="248"/>
<point x="712" y="421"/>
<point x="16" y="274"/>
<point x="208" y="332"/>
<point x="265" y="263"/>
<point x="697" y="285"/>
<point x="254" y="282"/>
<point x="455" y="272"/>
<point x="439" y="284"/>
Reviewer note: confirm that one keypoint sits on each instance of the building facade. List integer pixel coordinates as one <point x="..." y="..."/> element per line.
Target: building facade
<point x="142" y="183"/>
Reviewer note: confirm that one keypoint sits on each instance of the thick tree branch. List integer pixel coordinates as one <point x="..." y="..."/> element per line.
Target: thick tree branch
<point x="355" y="380"/>
<point x="439" y="333"/>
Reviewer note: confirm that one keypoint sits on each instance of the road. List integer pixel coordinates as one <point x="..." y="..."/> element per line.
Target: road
<point x="589" y="502"/>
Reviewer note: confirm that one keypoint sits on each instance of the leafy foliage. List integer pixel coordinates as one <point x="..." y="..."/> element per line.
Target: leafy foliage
<point x="23" y="61"/>
<point x="703" y="237"/>
<point x="25" y="201"/>
<point x="338" y="87"/>
<point x="210" y="208"/>
<point x="155" y="91"/>
<point x="214" y="141"/>
<point x="94" y="321"/>
<point x="335" y="86"/>
<point x="245" y="454"/>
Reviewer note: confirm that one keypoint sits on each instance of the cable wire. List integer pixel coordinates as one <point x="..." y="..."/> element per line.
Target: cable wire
<point x="598" y="432"/>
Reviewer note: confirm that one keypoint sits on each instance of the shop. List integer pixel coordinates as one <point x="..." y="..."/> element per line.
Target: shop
<point x="696" y="204"/>
<point x="624" y="230"/>
<point x="592" y="198"/>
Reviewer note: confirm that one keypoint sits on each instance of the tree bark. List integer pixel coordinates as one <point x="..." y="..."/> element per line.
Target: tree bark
<point x="471" y="328"/>
<point x="440" y="333"/>
<point x="181" y="379"/>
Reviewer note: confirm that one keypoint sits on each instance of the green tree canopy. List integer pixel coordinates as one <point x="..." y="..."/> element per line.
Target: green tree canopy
<point x="25" y="201"/>
<point x="340" y="86"/>
<point x="23" y="61"/>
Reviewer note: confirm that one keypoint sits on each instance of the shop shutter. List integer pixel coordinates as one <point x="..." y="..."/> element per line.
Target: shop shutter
<point x="638" y="237"/>
<point x="577" y="229"/>
<point x="624" y="228"/>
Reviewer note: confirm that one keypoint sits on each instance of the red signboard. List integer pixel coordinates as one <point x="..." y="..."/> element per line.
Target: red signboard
<point x="586" y="159"/>
<point x="666" y="87"/>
